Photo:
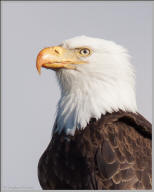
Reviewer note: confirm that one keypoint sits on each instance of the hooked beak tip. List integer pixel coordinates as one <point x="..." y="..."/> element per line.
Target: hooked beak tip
<point x="38" y="69"/>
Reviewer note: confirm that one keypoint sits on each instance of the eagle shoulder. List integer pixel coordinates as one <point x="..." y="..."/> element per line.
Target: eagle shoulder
<point x="124" y="155"/>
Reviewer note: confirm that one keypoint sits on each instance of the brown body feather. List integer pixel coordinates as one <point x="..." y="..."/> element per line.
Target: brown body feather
<point x="111" y="153"/>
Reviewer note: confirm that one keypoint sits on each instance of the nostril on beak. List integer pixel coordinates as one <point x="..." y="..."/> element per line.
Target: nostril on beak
<point x="57" y="50"/>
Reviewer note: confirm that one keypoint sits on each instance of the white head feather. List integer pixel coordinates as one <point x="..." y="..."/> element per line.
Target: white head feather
<point x="105" y="84"/>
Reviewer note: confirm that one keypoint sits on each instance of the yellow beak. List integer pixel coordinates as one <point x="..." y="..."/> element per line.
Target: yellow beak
<point x="57" y="57"/>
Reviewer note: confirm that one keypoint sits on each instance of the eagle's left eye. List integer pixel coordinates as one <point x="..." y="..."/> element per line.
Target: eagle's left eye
<point x="84" y="52"/>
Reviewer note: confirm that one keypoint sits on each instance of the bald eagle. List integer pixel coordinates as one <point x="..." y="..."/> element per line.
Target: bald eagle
<point x="99" y="140"/>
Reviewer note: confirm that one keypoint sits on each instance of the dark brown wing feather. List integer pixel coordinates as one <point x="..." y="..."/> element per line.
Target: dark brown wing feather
<point x="124" y="156"/>
<point x="111" y="153"/>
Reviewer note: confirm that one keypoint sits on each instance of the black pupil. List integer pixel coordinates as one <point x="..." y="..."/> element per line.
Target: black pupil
<point x="85" y="51"/>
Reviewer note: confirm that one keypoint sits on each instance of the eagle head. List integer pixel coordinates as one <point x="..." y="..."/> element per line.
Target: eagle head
<point x="95" y="78"/>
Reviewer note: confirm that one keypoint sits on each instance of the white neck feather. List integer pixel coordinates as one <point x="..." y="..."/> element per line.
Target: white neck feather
<point x="91" y="96"/>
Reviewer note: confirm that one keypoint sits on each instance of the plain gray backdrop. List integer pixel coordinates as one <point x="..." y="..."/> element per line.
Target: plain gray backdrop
<point x="29" y="100"/>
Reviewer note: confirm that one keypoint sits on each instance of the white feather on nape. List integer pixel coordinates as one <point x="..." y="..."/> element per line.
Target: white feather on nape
<point x="105" y="84"/>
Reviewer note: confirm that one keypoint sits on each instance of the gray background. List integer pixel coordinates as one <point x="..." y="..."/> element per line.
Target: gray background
<point x="29" y="100"/>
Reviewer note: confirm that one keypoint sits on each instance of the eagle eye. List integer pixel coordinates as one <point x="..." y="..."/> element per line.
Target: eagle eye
<point x="84" y="52"/>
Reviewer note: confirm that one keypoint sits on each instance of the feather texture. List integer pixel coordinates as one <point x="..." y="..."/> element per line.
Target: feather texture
<point x="110" y="153"/>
